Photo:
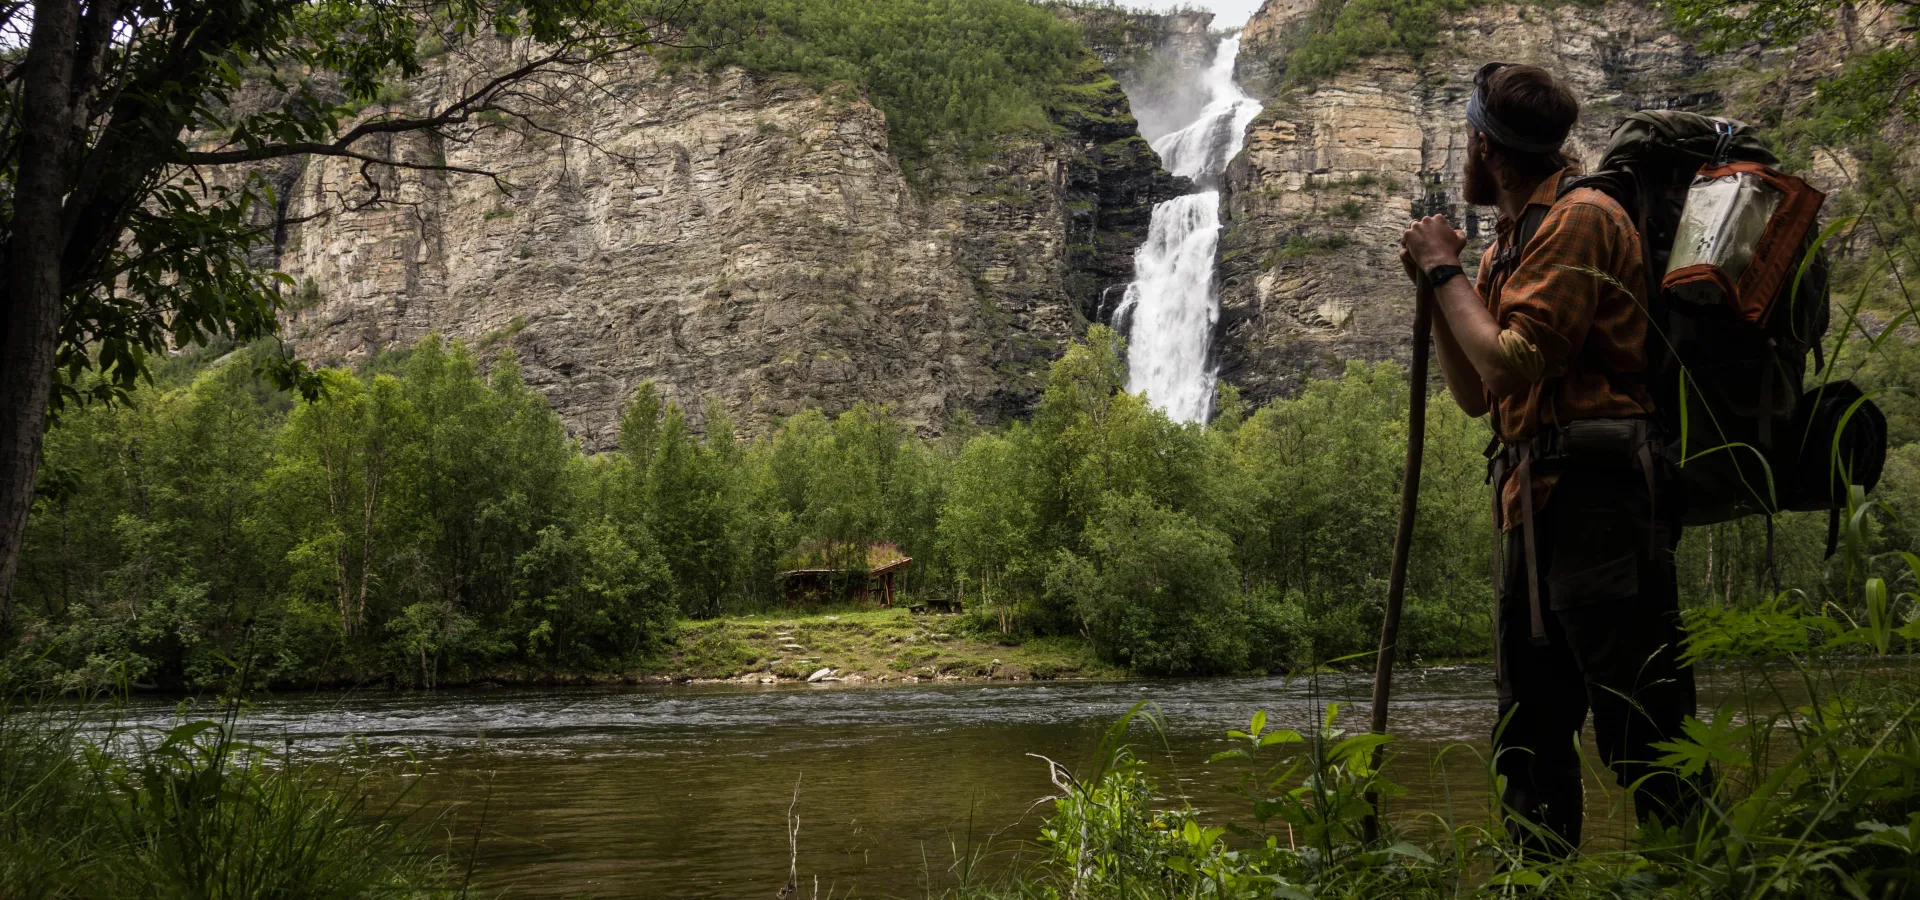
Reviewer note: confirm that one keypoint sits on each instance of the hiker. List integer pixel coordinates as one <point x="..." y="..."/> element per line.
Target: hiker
<point x="1549" y="338"/>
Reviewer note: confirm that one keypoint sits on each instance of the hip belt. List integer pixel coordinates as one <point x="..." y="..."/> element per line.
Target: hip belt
<point x="1583" y="443"/>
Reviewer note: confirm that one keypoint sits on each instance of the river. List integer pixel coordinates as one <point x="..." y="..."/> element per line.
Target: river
<point x="683" y="791"/>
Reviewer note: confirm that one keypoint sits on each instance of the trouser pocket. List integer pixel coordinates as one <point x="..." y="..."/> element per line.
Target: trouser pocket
<point x="1596" y="530"/>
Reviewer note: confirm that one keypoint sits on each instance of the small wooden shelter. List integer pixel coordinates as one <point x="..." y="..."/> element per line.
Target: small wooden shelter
<point x="815" y="583"/>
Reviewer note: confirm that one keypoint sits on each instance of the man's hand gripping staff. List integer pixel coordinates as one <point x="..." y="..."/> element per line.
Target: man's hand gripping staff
<point x="1477" y="356"/>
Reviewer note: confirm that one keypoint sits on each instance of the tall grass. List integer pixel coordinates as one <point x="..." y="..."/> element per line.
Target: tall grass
<point x="1810" y="783"/>
<point x="91" y="808"/>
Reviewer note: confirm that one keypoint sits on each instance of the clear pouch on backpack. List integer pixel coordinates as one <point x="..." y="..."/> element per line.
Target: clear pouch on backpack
<point x="1740" y="233"/>
<point x="1721" y="227"/>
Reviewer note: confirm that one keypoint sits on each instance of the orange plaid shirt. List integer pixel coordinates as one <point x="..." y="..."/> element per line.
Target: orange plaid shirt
<point x="1585" y="326"/>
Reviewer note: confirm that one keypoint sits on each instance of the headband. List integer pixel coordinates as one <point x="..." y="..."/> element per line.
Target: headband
<point x="1491" y="127"/>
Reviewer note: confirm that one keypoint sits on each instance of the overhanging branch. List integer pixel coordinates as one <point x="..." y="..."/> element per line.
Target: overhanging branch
<point x="459" y="112"/>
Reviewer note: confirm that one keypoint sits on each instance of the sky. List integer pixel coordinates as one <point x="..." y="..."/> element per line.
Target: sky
<point x="1226" y="13"/>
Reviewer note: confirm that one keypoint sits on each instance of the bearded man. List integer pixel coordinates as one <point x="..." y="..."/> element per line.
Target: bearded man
<point x="1550" y="339"/>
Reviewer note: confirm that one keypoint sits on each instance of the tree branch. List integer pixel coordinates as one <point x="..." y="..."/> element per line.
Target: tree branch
<point x="337" y="149"/>
<point x="457" y="113"/>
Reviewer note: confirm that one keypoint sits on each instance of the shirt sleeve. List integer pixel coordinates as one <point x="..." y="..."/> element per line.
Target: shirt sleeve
<point x="1552" y="294"/>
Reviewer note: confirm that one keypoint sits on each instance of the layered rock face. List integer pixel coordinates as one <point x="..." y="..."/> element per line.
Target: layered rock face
<point x="1156" y="58"/>
<point x="731" y="237"/>
<point x="1331" y="174"/>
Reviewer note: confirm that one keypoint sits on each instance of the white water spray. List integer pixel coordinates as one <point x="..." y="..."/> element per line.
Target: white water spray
<point x="1170" y="308"/>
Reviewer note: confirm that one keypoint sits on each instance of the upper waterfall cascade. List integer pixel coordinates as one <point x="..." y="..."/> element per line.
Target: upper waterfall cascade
<point x="1171" y="307"/>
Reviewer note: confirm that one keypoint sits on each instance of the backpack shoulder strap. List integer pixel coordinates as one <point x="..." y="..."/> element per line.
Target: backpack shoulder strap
<point x="1622" y="187"/>
<point x="1510" y="250"/>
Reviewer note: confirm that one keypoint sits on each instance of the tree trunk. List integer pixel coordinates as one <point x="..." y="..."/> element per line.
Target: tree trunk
<point x="30" y="327"/>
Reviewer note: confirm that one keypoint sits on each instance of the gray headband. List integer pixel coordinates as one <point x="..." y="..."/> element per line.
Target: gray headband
<point x="1491" y="127"/>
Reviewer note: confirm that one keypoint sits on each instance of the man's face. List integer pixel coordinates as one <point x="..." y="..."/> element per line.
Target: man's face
<point x="1480" y="187"/>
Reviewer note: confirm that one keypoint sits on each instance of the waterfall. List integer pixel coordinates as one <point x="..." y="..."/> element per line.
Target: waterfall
<point x="1170" y="308"/>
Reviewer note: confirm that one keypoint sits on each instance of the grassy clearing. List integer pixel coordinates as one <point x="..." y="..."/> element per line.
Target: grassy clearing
<point x="872" y="645"/>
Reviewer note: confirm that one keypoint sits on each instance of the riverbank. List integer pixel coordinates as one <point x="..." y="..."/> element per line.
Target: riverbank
<point x="852" y="646"/>
<point x="860" y="646"/>
<point x="872" y="646"/>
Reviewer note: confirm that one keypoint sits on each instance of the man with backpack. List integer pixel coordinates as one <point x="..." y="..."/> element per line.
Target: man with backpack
<point x="1551" y="338"/>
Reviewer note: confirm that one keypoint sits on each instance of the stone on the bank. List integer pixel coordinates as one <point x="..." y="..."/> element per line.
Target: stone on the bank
<point x="817" y="676"/>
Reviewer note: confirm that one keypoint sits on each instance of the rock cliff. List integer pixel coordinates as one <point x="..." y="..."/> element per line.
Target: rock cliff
<point x="729" y="236"/>
<point x="1332" y="172"/>
<point x="751" y="239"/>
<point x="1156" y="58"/>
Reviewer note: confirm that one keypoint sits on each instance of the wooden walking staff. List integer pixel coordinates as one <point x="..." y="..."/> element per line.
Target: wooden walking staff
<point x="1403" y="536"/>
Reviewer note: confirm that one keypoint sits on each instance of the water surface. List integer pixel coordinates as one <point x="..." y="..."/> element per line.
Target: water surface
<point x="683" y="791"/>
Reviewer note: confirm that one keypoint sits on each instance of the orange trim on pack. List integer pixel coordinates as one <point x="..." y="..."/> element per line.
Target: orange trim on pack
<point x="1702" y="272"/>
<point x="1779" y="247"/>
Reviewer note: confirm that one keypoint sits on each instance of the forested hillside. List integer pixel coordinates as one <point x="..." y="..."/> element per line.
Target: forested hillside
<point x="428" y="521"/>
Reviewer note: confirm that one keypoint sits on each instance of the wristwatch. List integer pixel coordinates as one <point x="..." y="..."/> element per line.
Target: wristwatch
<point x="1438" y="275"/>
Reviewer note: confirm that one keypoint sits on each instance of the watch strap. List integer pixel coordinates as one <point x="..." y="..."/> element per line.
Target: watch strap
<point x="1438" y="275"/>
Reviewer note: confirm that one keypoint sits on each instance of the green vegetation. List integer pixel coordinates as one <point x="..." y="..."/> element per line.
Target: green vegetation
<point x="89" y="808"/>
<point x="1816" y="800"/>
<point x="157" y="178"/>
<point x="425" y="522"/>
<point x="1304" y="245"/>
<point x="875" y="645"/>
<point x="1366" y="184"/>
<point x="1339" y="32"/>
<point x="951" y="75"/>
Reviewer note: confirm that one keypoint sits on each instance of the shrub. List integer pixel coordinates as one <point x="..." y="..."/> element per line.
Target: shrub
<point x="1155" y="590"/>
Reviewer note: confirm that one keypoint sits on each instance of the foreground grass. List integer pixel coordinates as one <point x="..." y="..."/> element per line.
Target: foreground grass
<point x="870" y="645"/>
<point x="191" y="812"/>
<point x="1817" y="796"/>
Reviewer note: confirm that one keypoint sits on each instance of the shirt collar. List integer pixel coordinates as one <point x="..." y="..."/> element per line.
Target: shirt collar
<point x="1547" y="191"/>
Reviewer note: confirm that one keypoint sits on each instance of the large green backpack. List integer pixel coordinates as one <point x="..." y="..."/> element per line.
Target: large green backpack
<point x="1730" y="384"/>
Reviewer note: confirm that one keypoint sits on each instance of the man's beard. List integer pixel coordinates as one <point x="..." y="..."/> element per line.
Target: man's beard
<point x="1480" y="187"/>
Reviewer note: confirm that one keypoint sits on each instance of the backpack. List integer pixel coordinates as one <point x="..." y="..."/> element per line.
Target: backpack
<point x="1747" y="435"/>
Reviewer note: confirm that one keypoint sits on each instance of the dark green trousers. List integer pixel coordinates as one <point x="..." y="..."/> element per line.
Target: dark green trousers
<point x="1611" y="609"/>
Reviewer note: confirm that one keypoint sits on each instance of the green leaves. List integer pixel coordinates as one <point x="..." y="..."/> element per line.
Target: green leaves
<point x="1107" y="839"/>
<point x="1851" y="104"/>
<point x="1156" y="590"/>
<point x="1904" y="837"/>
<point x="1340" y="32"/>
<point x="951" y="75"/>
<point x="1255" y="739"/>
<point x="1718" y="742"/>
<point x="1777" y="629"/>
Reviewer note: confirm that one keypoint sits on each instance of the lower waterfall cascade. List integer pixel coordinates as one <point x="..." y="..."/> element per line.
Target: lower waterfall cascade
<point x="1170" y="309"/>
